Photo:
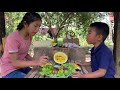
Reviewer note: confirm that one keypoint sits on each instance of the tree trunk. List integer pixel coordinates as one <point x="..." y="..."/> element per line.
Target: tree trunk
<point x="55" y="39"/>
<point x="2" y="25"/>
<point x="117" y="42"/>
<point x="2" y="31"/>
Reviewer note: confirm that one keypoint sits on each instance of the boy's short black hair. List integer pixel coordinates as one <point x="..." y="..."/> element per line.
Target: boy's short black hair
<point x="101" y="28"/>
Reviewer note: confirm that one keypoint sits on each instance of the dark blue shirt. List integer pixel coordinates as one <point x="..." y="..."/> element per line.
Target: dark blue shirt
<point x="102" y="57"/>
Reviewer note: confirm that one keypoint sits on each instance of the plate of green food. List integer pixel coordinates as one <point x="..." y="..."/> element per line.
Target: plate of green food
<point x="57" y="71"/>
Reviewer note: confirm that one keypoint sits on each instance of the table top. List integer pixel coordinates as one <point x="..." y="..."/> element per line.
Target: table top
<point x="74" y="54"/>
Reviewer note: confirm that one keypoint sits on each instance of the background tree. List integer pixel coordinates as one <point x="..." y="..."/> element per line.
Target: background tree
<point x="12" y="19"/>
<point x="63" y="21"/>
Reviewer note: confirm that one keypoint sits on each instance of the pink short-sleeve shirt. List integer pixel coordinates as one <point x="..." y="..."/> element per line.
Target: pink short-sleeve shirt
<point x="14" y="43"/>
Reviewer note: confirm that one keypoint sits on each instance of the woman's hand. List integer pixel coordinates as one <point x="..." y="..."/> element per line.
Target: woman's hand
<point x="43" y="60"/>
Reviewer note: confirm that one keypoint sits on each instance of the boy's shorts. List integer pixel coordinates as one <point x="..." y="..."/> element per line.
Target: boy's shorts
<point x="20" y="73"/>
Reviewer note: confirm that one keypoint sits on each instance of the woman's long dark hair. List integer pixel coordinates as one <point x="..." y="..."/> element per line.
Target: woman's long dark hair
<point x="29" y="17"/>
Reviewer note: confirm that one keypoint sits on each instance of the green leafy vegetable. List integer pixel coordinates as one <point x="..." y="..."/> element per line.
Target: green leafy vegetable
<point x="63" y="71"/>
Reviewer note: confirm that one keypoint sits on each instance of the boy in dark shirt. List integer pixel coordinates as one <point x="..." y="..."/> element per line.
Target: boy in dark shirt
<point x="102" y="62"/>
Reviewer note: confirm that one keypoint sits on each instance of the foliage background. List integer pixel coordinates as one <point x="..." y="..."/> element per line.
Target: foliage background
<point x="63" y="21"/>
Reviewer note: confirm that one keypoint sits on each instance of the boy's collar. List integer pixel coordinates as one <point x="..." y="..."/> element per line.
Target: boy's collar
<point x="96" y="49"/>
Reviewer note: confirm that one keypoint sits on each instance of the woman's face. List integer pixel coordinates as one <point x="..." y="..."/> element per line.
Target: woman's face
<point x="33" y="27"/>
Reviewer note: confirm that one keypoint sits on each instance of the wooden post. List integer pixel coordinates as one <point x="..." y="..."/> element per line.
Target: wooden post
<point x="1" y="47"/>
<point x="117" y="42"/>
<point x="2" y="30"/>
<point x="2" y="24"/>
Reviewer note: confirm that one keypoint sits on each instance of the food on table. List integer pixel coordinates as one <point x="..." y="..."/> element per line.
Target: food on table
<point x="60" y="57"/>
<point x="53" y="43"/>
<point x="64" y="70"/>
<point x="71" y="45"/>
<point x="61" y="69"/>
<point x="46" y="64"/>
<point x="76" y="66"/>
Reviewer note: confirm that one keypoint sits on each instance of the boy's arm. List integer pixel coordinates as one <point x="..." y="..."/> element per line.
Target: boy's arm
<point x="86" y="64"/>
<point x="97" y="74"/>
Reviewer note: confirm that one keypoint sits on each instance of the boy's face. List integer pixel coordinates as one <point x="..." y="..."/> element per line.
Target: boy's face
<point x="92" y="37"/>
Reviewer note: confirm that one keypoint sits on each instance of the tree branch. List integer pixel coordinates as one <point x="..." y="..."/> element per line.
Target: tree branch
<point x="50" y="24"/>
<point x="63" y="23"/>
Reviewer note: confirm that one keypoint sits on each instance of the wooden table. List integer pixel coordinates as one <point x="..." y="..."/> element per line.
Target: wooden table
<point x="74" y="54"/>
<point x="34" y="73"/>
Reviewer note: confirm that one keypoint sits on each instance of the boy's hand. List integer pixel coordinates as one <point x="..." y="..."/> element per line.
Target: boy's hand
<point x="77" y="75"/>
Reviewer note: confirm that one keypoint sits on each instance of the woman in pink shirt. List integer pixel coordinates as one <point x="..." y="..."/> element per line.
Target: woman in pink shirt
<point x="16" y="62"/>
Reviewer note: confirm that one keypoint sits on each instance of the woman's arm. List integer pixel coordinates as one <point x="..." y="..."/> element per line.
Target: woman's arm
<point x="21" y="63"/>
<point x="28" y="57"/>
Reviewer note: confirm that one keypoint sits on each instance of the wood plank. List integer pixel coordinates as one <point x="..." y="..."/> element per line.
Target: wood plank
<point x="84" y="69"/>
<point x="2" y="24"/>
<point x="73" y="53"/>
<point x="37" y="75"/>
<point x="117" y="42"/>
<point x="31" y="73"/>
